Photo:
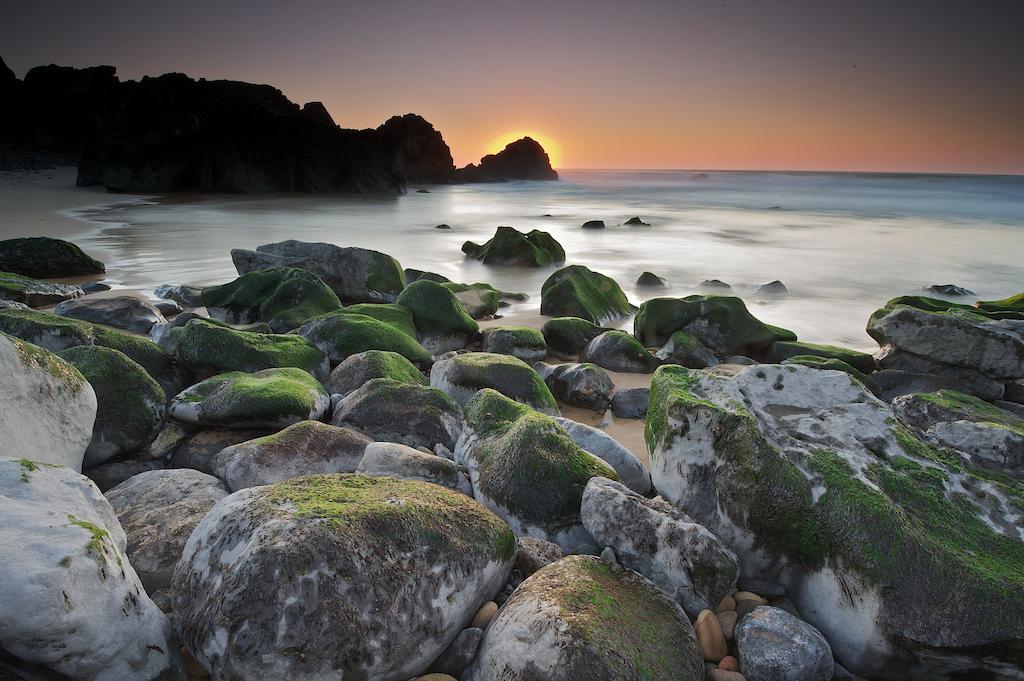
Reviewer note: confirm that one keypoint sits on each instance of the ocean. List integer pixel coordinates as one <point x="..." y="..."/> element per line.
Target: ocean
<point x="843" y="243"/>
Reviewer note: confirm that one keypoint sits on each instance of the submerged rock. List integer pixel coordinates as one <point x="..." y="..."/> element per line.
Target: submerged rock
<point x="229" y="603"/>
<point x="17" y="289"/>
<point x="213" y="349"/>
<point x="304" y="448"/>
<point x="519" y="341"/>
<point x="593" y="224"/>
<point x="442" y="323"/>
<point x="569" y="610"/>
<point x="392" y="411"/>
<point x="284" y="297"/>
<point x="637" y="222"/>
<point x="509" y="246"/>
<point x="47" y="407"/>
<point x="358" y="369"/>
<point x="527" y="469"/>
<point x="356" y="275"/>
<point x="82" y="612"/>
<point x="45" y="257"/>
<point x="576" y="291"/>
<point x="461" y="376"/>
<point x="127" y="313"/>
<point x="774" y="289"/>
<point x="618" y="351"/>
<point x="272" y="398"/>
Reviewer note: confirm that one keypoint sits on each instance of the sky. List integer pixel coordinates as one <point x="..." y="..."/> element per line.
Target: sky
<point x="899" y="85"/>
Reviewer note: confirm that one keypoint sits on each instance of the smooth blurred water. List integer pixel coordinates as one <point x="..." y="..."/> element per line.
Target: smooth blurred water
<point x="843" y="243"/>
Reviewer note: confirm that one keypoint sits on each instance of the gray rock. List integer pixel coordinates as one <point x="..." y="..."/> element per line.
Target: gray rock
<point x="689" y="563"/>
<point x="682" y="348"/>
<point x="650" y="280"/>
<point x="15" y="288"/>
<point x="186" y="296"/>
<point x="459" y="654"/>
<point x="198" y="450"/>
<point x="95" y="287"/>
<point x="305" y="448"/>
<point x="618" y="351"/>
<point x="356" y="370"/>
<point x="525" y="343"/>
<point x="578" y="385"/>
<point x="951" y="290"/>
<point x="73" y="606"/>
<point x="774" y="289"/>
<point x="628" y="467"/>
<point x="533" y="553"/>
<point x="631" y="403"/>
<point x="961" y="378"/>
<point x="391" y="411"/>
<point x="12" y="305"/>
<point x="775" y="646"/>
<point x="121" y="312"/>
<point x="168" y="308"/>
<point x="400" y="461"/>
<point x="461" y="376"/>
<point x="158" y="511"/>
<point x="113" y="473"/>
<point x="893" y="383"/>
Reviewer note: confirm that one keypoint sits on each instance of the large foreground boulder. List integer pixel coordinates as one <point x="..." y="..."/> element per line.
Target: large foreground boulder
<point x="391" y="411"/>
<point x="272" y="398"/>
<point x="284" y="297"/>
<point x="127" y="313"/>
<point x="576" y="291"/>
<point x="46" y="257"/>
<point x="527" y="469"/>
<point x="581" y="618"/>
<point x="15" y="288"/>
<point x="461" y="376"/>
<point x="509" y="246"/>
<point x="47" y="408"/>
<point x="356" y="275"/>
<point x="371" y="575"/>
<point x="872" y="532"/>
<point x="73" y="606"/>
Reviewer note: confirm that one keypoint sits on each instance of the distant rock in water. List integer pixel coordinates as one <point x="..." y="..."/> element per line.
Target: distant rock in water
<point x="650" y="280"/>
<point x="773" y="288"/>
<point x="593" y="224"/>
<point x="699" y="176"/>
<point x="524" y="159"/>
<point x="711" y="284"/>
<point x="509" y="246"/>
<point x="948" y="290"/>
<point x="637" y="222"/>
<point x="317" y="112"/>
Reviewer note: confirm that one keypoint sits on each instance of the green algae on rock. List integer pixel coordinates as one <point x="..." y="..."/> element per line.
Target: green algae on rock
<point x="783" y="350"/>
<point x="833" y="364"/>
<point x="211" y="348"/>
<point x="284" y="297"/>
<point x="721" y="323"/>
<point x="570" y="334"/>
<point x="390" y="313"/>
<point x="461" y="376"/>
<point x="357" y="369"/>
<point x="342" y="334"/>
<point x="509" y="246"/>
<point x="442" y="322"/>
<point x="577" y="291"/>
<point x="46" y="257"/>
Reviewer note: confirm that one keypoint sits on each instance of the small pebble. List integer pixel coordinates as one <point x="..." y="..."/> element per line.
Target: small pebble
<point x="484" y="615"/>
<point x="710" y="636"/>
<point x="727" y="603"/>
<point x="725" y="675"/>
<point x="608" y="556"/>
<point x="749" y="596"/>
<point x="729" y="664"/>
<point x="728" y="621"/>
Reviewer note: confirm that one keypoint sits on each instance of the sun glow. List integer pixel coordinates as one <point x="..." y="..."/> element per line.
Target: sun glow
<point x="552" y="147"/>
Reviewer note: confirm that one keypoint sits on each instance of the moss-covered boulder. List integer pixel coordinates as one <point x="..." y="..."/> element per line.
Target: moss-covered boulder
<point x="461" y="376"/>
<point x="369" y="614"/>
<point x="34" y="293"/>
<point x="832" y="364"/>
<point x="576" y="291"/>
<point x="390" y="313"/>
<point x="342" y="334"/>
<point x="59" y="333"/>
<point x="618" y="351"/>
<point x="442" y="323"/>
<point x="213" y="349"/>
<point x="130" y="405"/>
<point x="519" y="341"/>
<point x="682" y="348"/>
<point x="480" y="301"/>
<point x="509" y="246"/>
<point x="783" y="350"/>
<point x="272" y="398"/>
<point x="570" y="335"/>
<point x="127" y="313"/>
<point x="587" y="619"/>
<point x="720" y="323"/>
<point x="47" y="408"/>
<point x="816" y="485"/>
<point x="393" y="411"/>
<point x="527" y="469"/>
<point x="1013" y="305"/>
<point x="362" y="367"/>
<point x="45" y="257"/>
<point x="284" y="297"/>
<point x="578" y="385"/>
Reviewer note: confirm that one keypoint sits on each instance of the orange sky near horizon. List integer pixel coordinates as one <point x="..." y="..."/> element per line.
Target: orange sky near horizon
<point x="918" y="85"/>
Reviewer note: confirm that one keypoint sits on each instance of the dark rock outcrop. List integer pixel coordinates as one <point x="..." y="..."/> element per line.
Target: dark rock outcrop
<point x="419" y="152"/>
<point x="524" y="159"/>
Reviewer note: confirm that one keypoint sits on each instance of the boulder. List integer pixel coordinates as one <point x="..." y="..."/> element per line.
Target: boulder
<point x="284" y="297"/>
<point x="527" y="469"/>
<point x="127" y="313"/>
<point x="721" y="323"/>
<point x="342" y="334"/>
<point x="356" y="275"/>
<point x="18" y="289"/>
<point x="689" y="563"/>
<point x="570" y="335"/>
<point x="773" y="289"/>
<point x="243" y="573"/>
<point x="818" y="487"/>
<point x="81" y="611"/>
<point x="554" y="622"/>
<point x="480" y="301"/>
<point x="618" y="351"/>
<point x="47" y="408"/>
<point x="650" y="280"/>
<point x="776" y="646"/>
<point x="524" y="159"/>
<point x="1010" y="308"/>
<point x="158" y="511"/>
<point x="412" y="275"/>
<point x="442" y="323"/>
<point x="532" y="554"/>
<point x="509" y="246"/>
<point x="168" y="308"/>
<point x="579" y="385"/>
<point x="401" y="461"/>
<point x="198" y="449"/>
<point x="392" y="314"/>
<point x="186" y="296"/>
<point x="951" y="290"/>
<point x="783" y="350"/>
<point x="457" y="656"/>
<point x="356" y="370"/>
<point x="112" y="473"/>
<point x="209" y="348"/>
<point x="682" y="348"/>
<point x="966" y="379"/>
<point x="830" y="364"/>
<point x="461" y="376"/>
<point x="636" y="222"/>
<point x="631" y="403"/>
<point x="392" y="411"/>
<point x="272" y="398"/>
<point x="130" y="406"/>
<point x="519" y="341"/>
<point x="628" y="469"/>
<point x="46" y="258"/>
<point x="576" y="291"/>
<point x="303" y="448"/>
<point x="593" y="224"/>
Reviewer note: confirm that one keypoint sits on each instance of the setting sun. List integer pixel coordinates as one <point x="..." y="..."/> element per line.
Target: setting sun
<point x="552" y="147"/>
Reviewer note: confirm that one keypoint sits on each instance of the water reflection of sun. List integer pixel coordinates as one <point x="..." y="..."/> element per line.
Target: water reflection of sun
<point x="550" y="146"/>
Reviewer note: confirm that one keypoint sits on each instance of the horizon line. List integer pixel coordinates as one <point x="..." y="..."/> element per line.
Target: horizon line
<point x="945" y="173"/>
